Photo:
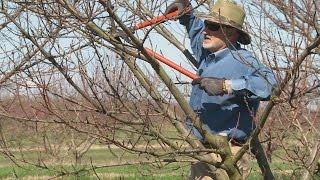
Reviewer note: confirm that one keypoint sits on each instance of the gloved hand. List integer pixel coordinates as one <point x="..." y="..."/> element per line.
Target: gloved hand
<point x="211" y="85"/>
<point x="179" y="5"/>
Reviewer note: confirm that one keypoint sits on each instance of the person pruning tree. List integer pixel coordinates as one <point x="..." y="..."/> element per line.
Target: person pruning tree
<point x="231" y="80"/>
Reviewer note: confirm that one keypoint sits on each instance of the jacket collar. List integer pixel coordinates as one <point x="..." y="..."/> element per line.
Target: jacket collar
<point x="223" y="52"/>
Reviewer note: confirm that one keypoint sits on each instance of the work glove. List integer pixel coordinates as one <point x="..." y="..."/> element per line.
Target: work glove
<point x="211" y="85"/>
<point x="179" y="5"/>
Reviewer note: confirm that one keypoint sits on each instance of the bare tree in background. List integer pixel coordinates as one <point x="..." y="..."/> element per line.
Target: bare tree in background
<point x="71" y="82"/>
<point x="291" y="45"/>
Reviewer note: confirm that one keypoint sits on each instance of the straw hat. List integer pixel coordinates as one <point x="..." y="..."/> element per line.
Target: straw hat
<point x="228" y="12"/>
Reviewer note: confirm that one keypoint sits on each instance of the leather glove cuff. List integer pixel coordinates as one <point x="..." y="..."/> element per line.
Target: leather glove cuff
<point x="226" y="86"/>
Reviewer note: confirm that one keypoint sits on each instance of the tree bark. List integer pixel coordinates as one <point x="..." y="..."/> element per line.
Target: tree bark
<point x="312" y="162"/>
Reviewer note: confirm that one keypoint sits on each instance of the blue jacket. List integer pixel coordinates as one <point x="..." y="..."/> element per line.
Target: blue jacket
<point x="231" y="114"/>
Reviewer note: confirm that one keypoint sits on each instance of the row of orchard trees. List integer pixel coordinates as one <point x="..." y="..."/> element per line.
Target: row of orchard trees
<point x="66" y="74"/>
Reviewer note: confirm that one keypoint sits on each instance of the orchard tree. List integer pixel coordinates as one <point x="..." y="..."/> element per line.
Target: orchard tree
<point x="75" y="74"/>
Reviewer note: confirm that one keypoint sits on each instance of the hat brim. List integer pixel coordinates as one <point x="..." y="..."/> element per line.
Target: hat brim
<point x="244" y="37"/>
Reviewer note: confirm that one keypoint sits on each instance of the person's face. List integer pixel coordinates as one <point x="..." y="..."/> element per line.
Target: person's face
<point x="214" y="37"/>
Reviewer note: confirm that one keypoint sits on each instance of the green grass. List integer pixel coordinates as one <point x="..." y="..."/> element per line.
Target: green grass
<point x="18" y="172"/>
<point x="101" y="156"/>
<point x="172" y="171"/>
<point x="140" y="171"/>
<point x="280" y="169"/>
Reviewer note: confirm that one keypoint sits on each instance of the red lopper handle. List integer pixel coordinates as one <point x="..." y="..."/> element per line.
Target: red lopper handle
<point x="159" y="19"/>
<point x="171" y="64"/>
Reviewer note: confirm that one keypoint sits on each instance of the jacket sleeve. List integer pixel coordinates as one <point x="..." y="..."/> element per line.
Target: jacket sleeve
<point x="257" y="83"/>
<point x="194" y="28"/>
